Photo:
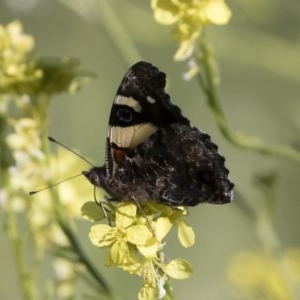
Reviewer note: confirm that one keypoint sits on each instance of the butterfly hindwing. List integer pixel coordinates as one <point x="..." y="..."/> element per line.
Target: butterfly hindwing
<point x="177" y="165"/>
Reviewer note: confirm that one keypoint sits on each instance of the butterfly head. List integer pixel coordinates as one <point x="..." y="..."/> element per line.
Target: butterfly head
<point x="96" y="175"/>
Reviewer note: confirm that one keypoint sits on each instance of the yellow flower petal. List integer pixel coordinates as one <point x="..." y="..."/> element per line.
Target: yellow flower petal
<point x="119" y="253"/>
<point x="138" y="234"/>
<point x="148" y="292"/>
<point x="162" y="227"/>
<point x="186" y="234"/>
<point x="102" y="235"/>
<point x="123" y="256"/>
<point x="125" y="215"/>
<point x="178" y="269"/>
<point x="189" y="17"/>
<point x="185" y="50"/>
<point x="165" y="12"/>
<point x="217" y="12"/>
<point x="133" y="267"/>
<point x="150" y="249"/>
<point x="18" y="39"/>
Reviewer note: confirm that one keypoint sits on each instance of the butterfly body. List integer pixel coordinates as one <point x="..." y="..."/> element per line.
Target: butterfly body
<point x="152" y="152"/>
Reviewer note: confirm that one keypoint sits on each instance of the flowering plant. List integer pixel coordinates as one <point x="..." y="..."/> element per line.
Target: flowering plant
<point x="41" y="222"/>
<point x="135" y="243"/>
<point x="134" y="239"/>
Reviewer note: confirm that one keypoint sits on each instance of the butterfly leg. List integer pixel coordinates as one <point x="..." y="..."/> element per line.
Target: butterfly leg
<point x="144" y="214"/>
<point x="101" y="204"/>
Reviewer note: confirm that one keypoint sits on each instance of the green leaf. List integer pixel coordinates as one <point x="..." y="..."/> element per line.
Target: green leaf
<point x="91" y="211"/>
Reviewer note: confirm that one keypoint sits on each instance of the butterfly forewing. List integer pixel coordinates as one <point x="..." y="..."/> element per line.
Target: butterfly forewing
<point x="140" y="107"/>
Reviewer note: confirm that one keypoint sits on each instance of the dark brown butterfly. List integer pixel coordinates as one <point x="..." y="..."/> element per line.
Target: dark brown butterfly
<point x="153" y="153"/>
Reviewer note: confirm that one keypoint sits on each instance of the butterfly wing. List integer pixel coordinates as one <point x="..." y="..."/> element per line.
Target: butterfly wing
<point x="152" y="153"/>
<point x="141" y="106"/>
<point x="177" y="165"/>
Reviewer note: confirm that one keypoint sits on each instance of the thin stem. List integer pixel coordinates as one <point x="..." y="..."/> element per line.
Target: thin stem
<point x="265" y="228"/>
<point x="83" y="258"/>
<point x="211" y="90"/>
<point x="169" y="289"/>
<point x="103" y="13"/>
<point x="26" y="278"/>
<point x="271" y="243"/>
<point x="117" y="33"/>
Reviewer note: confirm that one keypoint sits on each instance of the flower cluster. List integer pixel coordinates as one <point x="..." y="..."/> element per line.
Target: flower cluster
<point x="260" y="274"/>
<point x="22" y="73"/>
<point x="26" y="86"/>
<point x="17" y="71"/>
<point x="190" y="17"/>
<point x="34" y="168"/>
<point x="135" y="242"/>
<point x="29" y="163"/>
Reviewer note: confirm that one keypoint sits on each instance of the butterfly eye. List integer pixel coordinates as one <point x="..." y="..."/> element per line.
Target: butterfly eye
<point x="206" y="177"/>
<point x="124" y="115"/>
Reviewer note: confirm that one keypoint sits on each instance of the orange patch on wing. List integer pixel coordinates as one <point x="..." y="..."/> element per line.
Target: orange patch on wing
<point x="119" y="153"/>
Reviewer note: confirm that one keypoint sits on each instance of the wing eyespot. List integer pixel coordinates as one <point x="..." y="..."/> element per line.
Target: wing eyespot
<point x="124" y="115"/>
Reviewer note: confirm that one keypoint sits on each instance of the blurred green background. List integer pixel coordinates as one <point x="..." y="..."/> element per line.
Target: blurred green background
<point x="259" y="62"/>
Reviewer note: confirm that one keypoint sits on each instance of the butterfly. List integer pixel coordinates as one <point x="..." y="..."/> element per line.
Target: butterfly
<point x="152" y="151"/>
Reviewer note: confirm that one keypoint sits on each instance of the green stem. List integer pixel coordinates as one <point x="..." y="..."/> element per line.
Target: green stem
<point x="271" y="243"/>
<point x="210" y="87"/>
<point x="26" y="278"/>
<point x="114" y="28"/>
<point x="265" y="228"/>
<point x="169" y="289"/>
<point x="83" y="258"/>
<point x="117" y="32"/>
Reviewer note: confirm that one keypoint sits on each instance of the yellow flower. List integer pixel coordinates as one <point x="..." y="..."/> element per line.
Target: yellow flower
<point x="26" y="84"/>
<point x="32" y="170"/>
<point x="135" y="243"/>
<point x="122" y="236"/>
<point x="21" y="74"/>
<point x="190" y="17"/>
<point x="71" y="196"/>
<point x="148" y="292"/>
<point x="17" y="71"/>
<point x="258" y="273"/>
<point x="12" y="37"/>
<point x="65" y="276"/>
<point x="25" y="145"/>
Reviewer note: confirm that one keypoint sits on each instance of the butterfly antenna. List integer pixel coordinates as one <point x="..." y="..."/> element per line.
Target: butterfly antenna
<point x="52" y="185"/>
<point x="51" y="139"/>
